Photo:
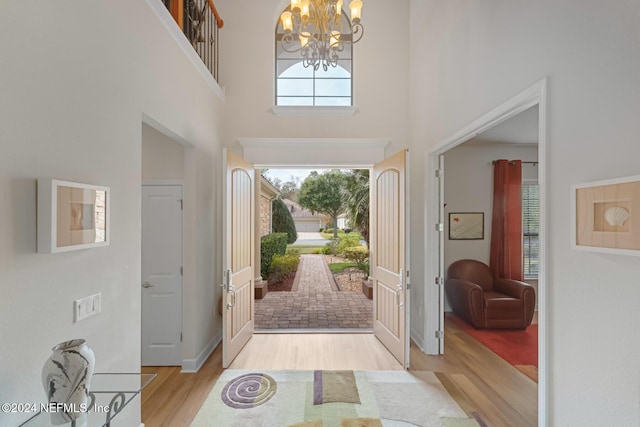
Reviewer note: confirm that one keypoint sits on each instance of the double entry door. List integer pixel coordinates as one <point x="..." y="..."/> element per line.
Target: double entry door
<point x="388" y="255"/>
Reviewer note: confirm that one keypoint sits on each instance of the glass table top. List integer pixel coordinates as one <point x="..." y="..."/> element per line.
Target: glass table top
<point x="109" y="394"/>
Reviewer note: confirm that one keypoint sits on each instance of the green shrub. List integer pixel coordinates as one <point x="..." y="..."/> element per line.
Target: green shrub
<point x="360" y="256"/>
<point x="328" y="231"/>
<point x="331" y="248"/>
<point x="317" y="251"/>
<point x="293" y="251"/>
<point x="282" y="221"/>
<point x="270" y="245"/>
<point x="281" y="266"/>
<point x="347" y="242"/>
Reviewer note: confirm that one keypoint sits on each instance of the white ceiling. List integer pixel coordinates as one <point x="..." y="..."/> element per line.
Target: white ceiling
<point x="520" y="129"/>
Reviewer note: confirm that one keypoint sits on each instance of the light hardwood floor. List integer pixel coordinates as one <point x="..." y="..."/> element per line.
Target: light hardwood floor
<point x="485" y="386"/>
<point x="315" y="351"/>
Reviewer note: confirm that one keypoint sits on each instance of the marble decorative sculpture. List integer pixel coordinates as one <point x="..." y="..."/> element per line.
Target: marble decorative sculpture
<point x="66" y="376"/>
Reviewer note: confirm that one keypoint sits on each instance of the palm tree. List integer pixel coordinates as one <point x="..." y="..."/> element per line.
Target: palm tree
<point x="356" y="197"/>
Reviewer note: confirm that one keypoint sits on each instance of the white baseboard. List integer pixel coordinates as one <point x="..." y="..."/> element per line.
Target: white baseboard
<point x="193" y="365"/>
<point x="417" y="339"/>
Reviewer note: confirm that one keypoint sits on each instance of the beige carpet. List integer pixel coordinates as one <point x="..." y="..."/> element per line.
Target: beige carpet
<point x="330" y="398"/>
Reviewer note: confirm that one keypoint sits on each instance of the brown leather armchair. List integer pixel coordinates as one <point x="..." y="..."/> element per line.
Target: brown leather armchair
<point x="486" y="302"/>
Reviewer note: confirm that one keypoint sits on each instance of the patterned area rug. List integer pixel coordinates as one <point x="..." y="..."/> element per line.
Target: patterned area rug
<point x="330" y="398"/>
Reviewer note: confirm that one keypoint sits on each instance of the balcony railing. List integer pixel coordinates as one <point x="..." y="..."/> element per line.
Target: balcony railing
<point x="200" y="22"/>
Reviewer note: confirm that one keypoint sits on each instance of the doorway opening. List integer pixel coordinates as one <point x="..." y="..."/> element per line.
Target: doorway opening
<point x="468" y="196"/>
<point x="389" y="266"/>
<point x="514" y="130"/>
<point x="324" y="214"/>
<point x="162" y="249"/>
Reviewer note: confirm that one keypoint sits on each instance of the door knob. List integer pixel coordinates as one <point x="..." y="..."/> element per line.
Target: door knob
<point x="147" y="285"/>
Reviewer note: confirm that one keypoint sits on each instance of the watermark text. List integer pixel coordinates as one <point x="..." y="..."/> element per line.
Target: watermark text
<point x="52" y="407"/>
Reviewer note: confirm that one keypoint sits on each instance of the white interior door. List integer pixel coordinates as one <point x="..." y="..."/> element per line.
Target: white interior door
<point x="238" y="280"/>
<point x="390" y="254"/>
<point x="161" y="275"/>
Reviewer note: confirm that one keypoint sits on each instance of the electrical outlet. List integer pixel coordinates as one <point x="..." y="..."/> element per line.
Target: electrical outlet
<point x="87" y="307"/>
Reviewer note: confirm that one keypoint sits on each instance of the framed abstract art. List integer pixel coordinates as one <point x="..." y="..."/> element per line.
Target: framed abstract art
<point x="71" y="216"/>
<point x="466" y="226"/>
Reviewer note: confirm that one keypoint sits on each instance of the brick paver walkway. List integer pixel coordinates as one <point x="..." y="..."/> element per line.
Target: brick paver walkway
<point x="315" y="304"/>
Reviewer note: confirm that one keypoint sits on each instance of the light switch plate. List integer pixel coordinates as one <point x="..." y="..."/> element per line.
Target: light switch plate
<point x="87" y="307"/>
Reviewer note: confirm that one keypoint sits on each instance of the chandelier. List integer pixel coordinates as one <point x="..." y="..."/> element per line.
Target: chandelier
<point x="317" y="29"/>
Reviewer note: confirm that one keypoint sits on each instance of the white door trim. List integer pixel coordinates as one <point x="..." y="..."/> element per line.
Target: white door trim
<point x="313" y="152"/>
<point x="150" y="182"/>
<point x="267" y="153"/>
<point x="534" y="95"/>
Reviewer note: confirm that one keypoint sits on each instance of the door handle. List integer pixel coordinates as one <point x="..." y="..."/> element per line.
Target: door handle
<point x="229" y="288"/>
<point x="400" y="289"/>
<point x="226" y="281"/>
<point x="147" y="285"/>
<point x="233" y="298"/>
<point x="398" y="302"/>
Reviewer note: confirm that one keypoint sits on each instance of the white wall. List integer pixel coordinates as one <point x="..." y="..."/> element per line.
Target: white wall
<point x="467" y="57"/>
<point x="380" y="76"/>
<point x="76" y="79"/>
<point x="468" y="187"/>
<point x="162" y="157"/>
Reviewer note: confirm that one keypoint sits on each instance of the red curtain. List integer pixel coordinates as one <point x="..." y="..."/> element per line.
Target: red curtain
<point x="506" y="225"/>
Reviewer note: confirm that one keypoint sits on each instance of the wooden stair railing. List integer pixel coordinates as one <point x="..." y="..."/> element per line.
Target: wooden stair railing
<point x="219" y="20"/>
<point x="200" y="22"/>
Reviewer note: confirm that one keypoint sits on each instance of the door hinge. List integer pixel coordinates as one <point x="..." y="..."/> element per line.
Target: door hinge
<point x="181" y="270"/>
<point x="180" y="336"/>
<point x="439" y="173"/>
<point x="439" y="335"/>
<point x="440" y="227"/>
<point x="439" y="280"/>
<point x="181" y="204"/>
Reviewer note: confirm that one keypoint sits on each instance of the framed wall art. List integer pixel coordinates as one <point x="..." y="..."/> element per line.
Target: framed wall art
<point x="466" y="225"/>
<point x="606" y="216"/>
<point x="71" y="216"/>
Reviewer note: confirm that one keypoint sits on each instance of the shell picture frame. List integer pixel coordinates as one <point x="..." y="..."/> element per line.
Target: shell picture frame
<point x="606" y="216"/>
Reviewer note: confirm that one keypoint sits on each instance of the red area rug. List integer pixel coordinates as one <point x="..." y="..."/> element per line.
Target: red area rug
<point x="515" y="346"/>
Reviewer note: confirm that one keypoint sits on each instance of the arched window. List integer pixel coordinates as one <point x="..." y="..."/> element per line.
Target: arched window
<point x="297" y="84"/>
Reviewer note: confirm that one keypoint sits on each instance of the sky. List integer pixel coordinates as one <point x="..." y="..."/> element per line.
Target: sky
<point x="284" y="175"/>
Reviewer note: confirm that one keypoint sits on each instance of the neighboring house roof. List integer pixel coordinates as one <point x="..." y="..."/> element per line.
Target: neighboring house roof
<point x="298" y="212"/>
<point x="268" y="189"/>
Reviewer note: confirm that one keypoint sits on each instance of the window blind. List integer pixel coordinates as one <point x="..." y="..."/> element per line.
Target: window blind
<point x="530" y="228"/>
